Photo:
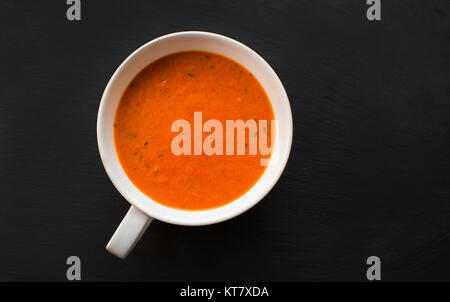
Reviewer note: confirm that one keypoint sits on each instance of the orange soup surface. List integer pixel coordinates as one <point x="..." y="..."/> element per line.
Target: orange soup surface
<point x="173" y="88"/>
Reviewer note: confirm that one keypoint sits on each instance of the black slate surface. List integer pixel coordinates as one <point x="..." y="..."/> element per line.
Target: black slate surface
<point x="369" y="172"/>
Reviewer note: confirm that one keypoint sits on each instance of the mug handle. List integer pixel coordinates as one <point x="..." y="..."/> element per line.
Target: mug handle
<point x="128" y="233"/>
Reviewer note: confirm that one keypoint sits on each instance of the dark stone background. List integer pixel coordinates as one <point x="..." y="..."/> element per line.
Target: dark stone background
<point x="369" y="172"/>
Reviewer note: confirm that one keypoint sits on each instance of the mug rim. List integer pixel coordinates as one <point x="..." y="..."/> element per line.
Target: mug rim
<point x="212" y="218"/>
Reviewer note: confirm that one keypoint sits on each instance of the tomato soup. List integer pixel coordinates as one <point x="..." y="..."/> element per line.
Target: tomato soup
<point x="174" y="88"/>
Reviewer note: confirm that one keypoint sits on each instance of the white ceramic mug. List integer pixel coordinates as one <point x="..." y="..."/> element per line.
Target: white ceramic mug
<point x="143" y="209"/>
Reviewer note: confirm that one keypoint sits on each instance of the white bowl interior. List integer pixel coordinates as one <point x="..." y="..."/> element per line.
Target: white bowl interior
<point x="181" y="42"/>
